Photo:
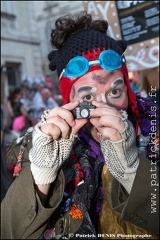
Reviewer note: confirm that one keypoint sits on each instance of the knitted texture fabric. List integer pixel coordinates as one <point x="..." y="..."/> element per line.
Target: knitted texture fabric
<point x="122" y="156"/>
<point x="47" y="156"/>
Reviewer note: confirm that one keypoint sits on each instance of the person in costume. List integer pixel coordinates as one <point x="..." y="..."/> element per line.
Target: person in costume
<point x="87" y="167"/>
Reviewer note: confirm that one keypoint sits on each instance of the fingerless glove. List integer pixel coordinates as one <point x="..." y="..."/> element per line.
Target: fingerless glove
<point x="47" y="155"/>
<point x="121" y="157"/>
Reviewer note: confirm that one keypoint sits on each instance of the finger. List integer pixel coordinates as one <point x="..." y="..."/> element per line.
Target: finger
<point x="79" y="123"/>
<point x="65" y="112"/>
<point x="108" y="121"/>
<point x="61" y="124"/>
<point x="98" y="112"/>
<point x="70" y="106"/>
<point x="109" y="134"/>
<point x="102" y="109"/>
<point x="52" y="130"/>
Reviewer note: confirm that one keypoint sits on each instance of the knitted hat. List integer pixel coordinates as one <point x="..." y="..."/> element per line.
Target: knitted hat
<point x="88" y="43"/>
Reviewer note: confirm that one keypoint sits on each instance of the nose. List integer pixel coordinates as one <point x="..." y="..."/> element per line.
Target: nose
<point x="101" y="98"/>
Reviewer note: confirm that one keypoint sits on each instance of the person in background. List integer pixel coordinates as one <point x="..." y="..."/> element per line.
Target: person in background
<point x="4" y="173"/>
<point x="22" y="119"/>
<point x="10" y="113"/>
<point x="29" y="105"/>
<point x="47" y="102"/>
<point x="37" y="95"/>
<point x="83" y="173"/>
<point x="137" y="86"/>
<point x="134" y="86"/>
<point x="58" y="98"/>
<point x="28" y="102"/>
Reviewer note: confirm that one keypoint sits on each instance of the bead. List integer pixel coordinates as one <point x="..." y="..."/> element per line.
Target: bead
<point x="19" y="157"/>
<point x="18" y="166"/>
<point x="49" y="233"/>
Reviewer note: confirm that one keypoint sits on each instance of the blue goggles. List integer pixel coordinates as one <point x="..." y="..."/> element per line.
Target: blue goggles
<point x="108" y="60"/>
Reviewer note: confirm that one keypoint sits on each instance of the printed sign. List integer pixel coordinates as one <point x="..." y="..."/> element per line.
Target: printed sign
<point x="139" y="20"/>
<point x="135" y="21"/>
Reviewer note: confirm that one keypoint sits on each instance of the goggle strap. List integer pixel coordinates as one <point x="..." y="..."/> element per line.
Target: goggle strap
<point x="124" y="52"/>
<point x="91" y="63"/>
<point x="63" y="71"/>
<point x="123" y="57"/>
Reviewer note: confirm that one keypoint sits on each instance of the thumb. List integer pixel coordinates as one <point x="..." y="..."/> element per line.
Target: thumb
<point x="78" y="125"/>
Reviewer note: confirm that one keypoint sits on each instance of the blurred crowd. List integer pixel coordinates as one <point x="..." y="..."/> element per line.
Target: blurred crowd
<point x="26" y="103"/>
<point x="20" y="110"/>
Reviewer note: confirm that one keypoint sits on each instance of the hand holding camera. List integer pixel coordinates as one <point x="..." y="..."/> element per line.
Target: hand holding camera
<point x="46" y="154"/>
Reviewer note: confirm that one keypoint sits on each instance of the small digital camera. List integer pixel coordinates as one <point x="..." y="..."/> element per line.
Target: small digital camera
<point x="83" y="110"/>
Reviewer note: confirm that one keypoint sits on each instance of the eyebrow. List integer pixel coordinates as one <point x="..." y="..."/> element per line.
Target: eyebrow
<point x="113" y="85"/>
<point x="86" y="88"/>
<point x="117" y="82"/>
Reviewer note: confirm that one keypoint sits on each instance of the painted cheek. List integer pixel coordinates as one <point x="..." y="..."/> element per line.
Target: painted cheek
<point x="119" y="103"/>
<point x="123" y="104"/>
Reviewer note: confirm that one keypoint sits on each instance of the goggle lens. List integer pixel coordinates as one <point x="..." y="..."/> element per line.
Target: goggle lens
<point x="108" y="60"/>
<point x="77" y="67"/>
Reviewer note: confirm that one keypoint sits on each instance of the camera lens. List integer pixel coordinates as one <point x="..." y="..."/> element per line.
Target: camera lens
<point x="84" y="113"/>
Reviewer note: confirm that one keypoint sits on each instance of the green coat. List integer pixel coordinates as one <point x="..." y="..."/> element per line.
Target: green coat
<point x="24" y="217"/>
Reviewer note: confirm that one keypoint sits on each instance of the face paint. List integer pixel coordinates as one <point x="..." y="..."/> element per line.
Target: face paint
<point x="102" y="79"/>
<point x="85" y="88"/>
<point x="112" y="91"/>
<point x="85" y="91"/>
<point x="88" y="93"/>
<point x="117" y="82"/>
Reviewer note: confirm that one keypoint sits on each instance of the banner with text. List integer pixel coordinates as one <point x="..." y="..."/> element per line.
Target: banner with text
<point x="135" y="21"/>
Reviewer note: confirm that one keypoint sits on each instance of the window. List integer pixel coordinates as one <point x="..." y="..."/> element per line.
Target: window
<point x="13" y="74"/>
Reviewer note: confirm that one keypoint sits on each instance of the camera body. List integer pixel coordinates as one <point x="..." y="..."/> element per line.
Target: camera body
<point x="83" y="110"/>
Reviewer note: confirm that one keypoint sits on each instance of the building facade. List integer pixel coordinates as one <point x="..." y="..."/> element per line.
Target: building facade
<point x="25" y="34"/>
<point x="20" y="44"/>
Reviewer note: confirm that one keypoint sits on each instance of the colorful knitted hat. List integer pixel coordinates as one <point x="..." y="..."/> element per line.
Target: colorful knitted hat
<point x="89" y="43"/>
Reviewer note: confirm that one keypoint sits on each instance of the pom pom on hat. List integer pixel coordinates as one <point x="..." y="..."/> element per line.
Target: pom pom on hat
<point x="52" y="58"/>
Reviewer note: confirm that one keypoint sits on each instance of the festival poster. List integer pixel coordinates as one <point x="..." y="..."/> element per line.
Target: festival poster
<point x="135" y="21"/>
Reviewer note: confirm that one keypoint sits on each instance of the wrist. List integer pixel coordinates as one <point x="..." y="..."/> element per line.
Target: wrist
<point x="43" y="176"/>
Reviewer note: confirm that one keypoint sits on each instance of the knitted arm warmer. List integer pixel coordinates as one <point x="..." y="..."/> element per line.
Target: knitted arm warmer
<point x="47" y="155"/>
<point x="121" y="157"/>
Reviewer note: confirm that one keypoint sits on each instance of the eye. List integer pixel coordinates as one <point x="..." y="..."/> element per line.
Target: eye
<point x="88" y="98"/>
<point x="115" y="93"/>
